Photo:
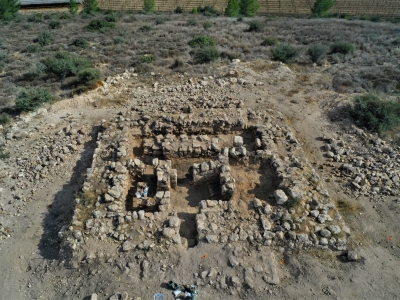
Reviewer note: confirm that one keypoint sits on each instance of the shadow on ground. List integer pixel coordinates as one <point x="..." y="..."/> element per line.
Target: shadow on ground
<point x="61" y="210"/>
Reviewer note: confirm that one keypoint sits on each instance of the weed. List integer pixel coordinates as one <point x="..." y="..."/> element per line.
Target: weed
<point x="147" y="58"/>
<point x="178" y="63"/>
<point x="145" y="28"/>
<point x="26" y="26"/>
<point x="4" y="119"/>
<point x="36" y="17"/>
<point x="44" y="38"/>
<point x="342" y="47"/>
<point x="55" y="25"/>
<point x="88" y="74"/>
<point x="208" y="11"/>
<point x="255" y="26"/>
<point x="270" y="41"/>
<point x="348" y="207"/>
<point x="375" y="114"/>
<point x="36" y="70"/>
<point x="240" y="19"/>
<point x="192" y="22"/>
<point x="317" y="52"/>
<point x="80" y="42"/>
<point x="112" y="17"/>
<point x="207" y="25"/>
<point x="29" y="99"/>
<point x="284" y="53"/>
<point x="206" y="54"/>
<point x="3" y="154"/>
<point x="32" y="48"/>
<point x="64" y="16"/>
<point x="202" y="40"/>
<point x="376" y="19"/>
<point x="118" y="40"/>
<point x="98" y="25"/>
<point x="160" y="21"/>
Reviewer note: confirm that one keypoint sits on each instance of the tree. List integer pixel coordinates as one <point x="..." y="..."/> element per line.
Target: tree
<point x="149" y="6"/>
<point x="248" y="8"/>
<point x="73" y="7"/>
<point x="8" y="8"/>
<point x="321" y="7"/>
<point x="90" y="6"/>
<point x="232" y="10"/>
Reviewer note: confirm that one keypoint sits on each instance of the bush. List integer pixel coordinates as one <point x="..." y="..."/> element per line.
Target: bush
<point x="376" y="19"/>
<point x="65" y="64"/>
<point x="80" y="42"/>
<point x="255" y="26"/>
<point x="178" y="10"/>
<point x="270" y="41"/>
<point x="31" y="98"/>
<point x="98" y="25"/>
<point x="202" y="40"/>
<point x="147" y="58"/>
<point x="36" y="17"/>
<point x="342" y="47"/>
<point x="206" y="54"/>
<point x="373" y="113"/>
<point x="192" y="22"/>
<point x="36" y="70"/>
<point x="73" y="7"/>
<point x="321" y="7"/>
<point x="284" y="53"/>
<point x="4" y="119"/>
<point x="3" y="154"/>
<point x="44" y="38"/>
<point x="64" y="16"/>
<point x="90" y="6"/>
<point x="8" y="9"/>
<point x="118" y="40"/>
<point x="248" y="8"/>
<point x="55" y="24"/>
<point x="32" y="48"/>
<point x="145" y="28"/>
<point x="232" y="10"/>
<point x="112" y="17"/>
<point x="194" y="11"/>
<point x="88" y="74"/>
<point x="207" y="25"/>
<point x="208" y="11"/>
<point x="149" y="6"/>
<point x="317" y="52"/>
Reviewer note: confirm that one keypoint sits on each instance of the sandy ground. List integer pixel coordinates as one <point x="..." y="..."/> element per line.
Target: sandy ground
<point x="32" y="269"/>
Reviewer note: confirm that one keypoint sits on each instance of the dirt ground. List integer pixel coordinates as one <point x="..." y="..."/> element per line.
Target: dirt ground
<point x="30" y="264"/>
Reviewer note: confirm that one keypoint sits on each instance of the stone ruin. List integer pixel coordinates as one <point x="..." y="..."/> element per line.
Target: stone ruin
<point x="133" y="147"/>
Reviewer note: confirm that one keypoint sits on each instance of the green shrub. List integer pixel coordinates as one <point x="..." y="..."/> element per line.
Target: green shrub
<point x="55" y="24"/>
<point x="118" y="40"/>
<point x="202" y="40"/>
<point x="232" y="10"/>
<point x="240" y="19"/>
<point x="3" y="55"/>
<point x="178" y="10"/>
<point x="146" y="28"/>
<point x="90" y="6"/>
<point x="342" y="47"/>
<point x="112" y="17"/>
<point x="322" y="7"/>
<point x="8" y="9"/>
<point x="3" y="154"/>
<point x="80" y="42"/>
<point x="396" y="42"/>
<point x="65" y="64"/>
<point x="147" y="58"/>
<point x="248" y="8"/>
<point x="284" y="53"/>
<point x="376" y="19"/>
<point x="26" y="26"/>
<point x="4" y="119"/>
<point x="73" y="7"/>
<point x="44" y="38"/>
<point x="192" y="22"/>
<point x="31" y="98"/>
<point x="88" y="74"/>
<point x="206" y="54"/>
<point x="149" y="6"/>
<point x="207" y="25"/>
<point x="194" y="11"/>
<point x="375" y="114"/>
<point x="36" y="70"/>
<point x="98" y="25"/>
<point x="317" y="52"/>
<point x="32" y="48"/>
<point x="36" y="17"/>
<point x="255" y="26"/>
<point x="64" y="16"/>
<point x="270" y="41"/>
<point x="160" y="21"/>
<point x="208" y="11"/>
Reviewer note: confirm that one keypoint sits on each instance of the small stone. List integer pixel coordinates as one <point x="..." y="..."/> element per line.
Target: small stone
<point x="280" y="197"/>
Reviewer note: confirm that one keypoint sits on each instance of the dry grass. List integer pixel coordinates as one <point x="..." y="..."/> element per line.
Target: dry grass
<point x="370" y="66"/>
<point x="349" y="207"/>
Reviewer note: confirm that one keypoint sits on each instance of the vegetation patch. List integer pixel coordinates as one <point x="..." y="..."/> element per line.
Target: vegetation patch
<point x="29" y="99"/>
<point x="317" y="52"/>
<point x="208" y="11"/>
<point x="98" y="25"/>
<point x="342" y="47"/>
<point x="375" y="114"/>
<point x="202" y="41"/>
<point x="44" y="38"/>
<point x="322" y="7"/>
<point x="270" y="41"/>
<point x="255" y="26"/>
<point x="65" y="64"/>
<point x="284" y="53"/>
<point x="80" y="42"/>
<point x="206" y="54"/>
